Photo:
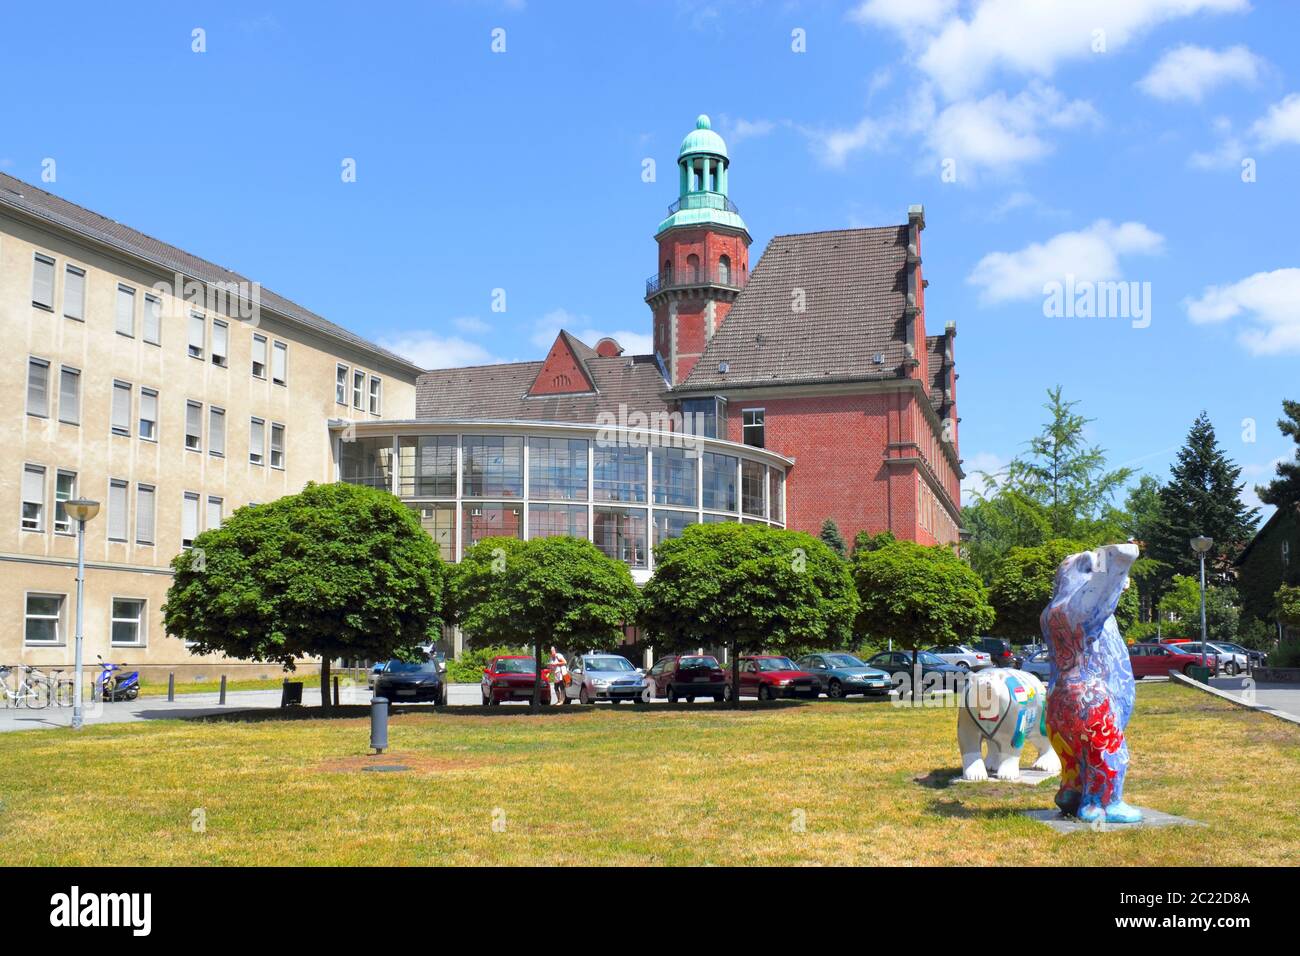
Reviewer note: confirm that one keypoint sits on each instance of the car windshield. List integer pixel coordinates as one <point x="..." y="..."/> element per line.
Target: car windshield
<point x="776" y="664"/>
<point x="1039" y="656"/>
<point x="608" y="664"/>
<point x="420" y="667"/>
<point x="843" y="660"/>
<point x="698" y="662"/>
<point x="516" y="665"/>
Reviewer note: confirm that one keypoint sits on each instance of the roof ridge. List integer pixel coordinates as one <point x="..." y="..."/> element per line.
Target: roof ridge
<point x="832" y="232"/>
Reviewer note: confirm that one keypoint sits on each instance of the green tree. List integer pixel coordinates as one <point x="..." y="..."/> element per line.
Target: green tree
<point x="1180" y="607"/>
<point x="747" y="588"/>
<point x="334" y="571"/>
<point x="1202" y="497"/>
<point x="915" y="595"/>
<point x="476" y="600"/>
<point x="1284" y="490"/>
<point x="1288" y="605"/>
<point x="832" y="538"/>
<point x="1139" y="520"/>
<point x="999" y="519"/>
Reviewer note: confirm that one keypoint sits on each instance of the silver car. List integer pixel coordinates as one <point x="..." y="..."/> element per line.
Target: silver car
<point x="964" y="656"/>
<point x="1039" y="664"/>
<point x="1232" y="661"/>
<point x="608" y="677"/>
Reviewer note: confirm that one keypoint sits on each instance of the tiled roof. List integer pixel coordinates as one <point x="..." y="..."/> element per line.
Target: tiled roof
<point x="494" y="392"/>
<point x="16" y="194"/>
<point x="853" y="284"/>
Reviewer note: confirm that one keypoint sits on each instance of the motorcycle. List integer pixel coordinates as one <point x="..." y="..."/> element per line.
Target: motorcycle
<point x="115" y="684"/>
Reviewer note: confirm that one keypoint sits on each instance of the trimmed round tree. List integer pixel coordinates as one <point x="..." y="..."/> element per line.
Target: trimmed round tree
<point x="559" y="590"/>
<point x="336" y="570"/>
<point x="915" y="595"/>
<point x="747" y="588"/>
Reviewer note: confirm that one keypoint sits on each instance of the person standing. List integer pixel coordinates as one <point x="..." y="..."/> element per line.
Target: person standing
<point x="559" y="676"/>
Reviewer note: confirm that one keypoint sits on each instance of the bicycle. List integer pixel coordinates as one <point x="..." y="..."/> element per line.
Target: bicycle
<point x="64" y="689"/>
<point x="34" y="695"/>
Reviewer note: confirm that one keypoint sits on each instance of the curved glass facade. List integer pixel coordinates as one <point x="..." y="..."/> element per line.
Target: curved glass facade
<point x="624" y="489"/>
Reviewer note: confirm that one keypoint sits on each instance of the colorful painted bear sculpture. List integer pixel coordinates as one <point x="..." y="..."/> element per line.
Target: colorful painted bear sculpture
<point x="1091" y="690"/>
<point x="1002" y="708"/>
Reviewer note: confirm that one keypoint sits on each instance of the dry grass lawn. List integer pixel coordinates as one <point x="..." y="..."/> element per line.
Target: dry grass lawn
<point x="657" y="785"/>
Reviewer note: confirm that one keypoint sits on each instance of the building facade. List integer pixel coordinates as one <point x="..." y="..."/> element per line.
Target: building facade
<point x="166" y="388"/>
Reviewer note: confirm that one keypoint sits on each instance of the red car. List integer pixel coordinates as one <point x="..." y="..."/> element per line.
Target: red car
<point x="768" y="676"/>
<point x="510" y="677"/>
<point x="689" y="676"/>
<point x="1157" y="660"/>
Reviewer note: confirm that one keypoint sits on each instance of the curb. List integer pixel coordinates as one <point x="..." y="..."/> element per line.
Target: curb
<point x="1224" y="695"/>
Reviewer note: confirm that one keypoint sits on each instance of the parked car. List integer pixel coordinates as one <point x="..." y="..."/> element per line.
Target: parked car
<point x="375" y="671"/>
<point x="999" y="651"/>
<point x="1254" y="657"/>
<point x="964" y="656"/>
<point x="1158" y="660"/>
<point x="511" y="677"/>
<point x="1229" y="662"/>
<point x="1039" y="663"/>
<point x="689" y="676"/>
<point x="839" y="675"/>
<point x="768" y="676"/>
<point x="900" y="662"/>
<point x="400" y="682"/>
<point x="608" y="677"/>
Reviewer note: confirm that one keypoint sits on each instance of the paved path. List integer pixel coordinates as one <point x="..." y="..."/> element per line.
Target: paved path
<point x="1283" y="697"/>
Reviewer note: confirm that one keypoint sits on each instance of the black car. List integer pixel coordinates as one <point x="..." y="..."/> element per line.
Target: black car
<point x="400" y="682"/>
<point x="999" y="651"/>
<point x="689" y="676"/>
<point x="900" y="662"/>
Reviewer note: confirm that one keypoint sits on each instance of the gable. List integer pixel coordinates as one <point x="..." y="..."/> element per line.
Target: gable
<point x="564" y="370"/>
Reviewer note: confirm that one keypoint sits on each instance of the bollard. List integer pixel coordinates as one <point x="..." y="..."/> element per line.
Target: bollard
<point x="222" y="699"/>
<point x="336" y="690"/>
<point x="379" y="724"/>
<point x="171" y="688"/>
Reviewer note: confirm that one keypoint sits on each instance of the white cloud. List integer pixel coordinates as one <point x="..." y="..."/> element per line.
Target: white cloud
<point x="834" y="147"/>
<point x="471" y="325"/>
<point x="1268" y="300"/>
<point x="1091" y="254"/>
<point x="549" y="326"/>
<point x="1281" y="124"/>
<point x="1189" y="72"/>
<point x="979" y="467"/>
<point x="435" y="351"/>
<point x="1024" y="37"/>
<point x="743" y="129"/>
<point x="1227" y="155"/>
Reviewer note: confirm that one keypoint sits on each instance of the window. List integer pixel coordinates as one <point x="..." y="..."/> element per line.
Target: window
<point x="552" y="521"/>
<point x="439" y="520"/>
<point x="776" y="494"/>
<point x="376" y="385"/>
<point x="620" y="474"/>
<point x="279" y="363"/>
<point x="719" y="482"/>
<point x="74" y="293"/>
<point x="69" y="395"/>
<point x="259" y="356"/>
<point x="358" y="387"/>
<point x="128" y="623"/>
<point x="126" y="310"/>
<point x="341" y="384"/>
<point x="148" y="414"/>
<point x="38" y="387"/>
<point x="216" y="431"/>
<point x="674" y="476"/>
<point x="193" y="426"/>
<point x="671" y="524"/>
<point x="752" y="427"/>
<point x="214" y="512"/>
<point x="198" y="334"/>
<point x="220" y="343"/>
<point x="152" y="319"/>
<point x="701" y="416"/>
<point x="621" y="534"/>
<point x="368" y="462"/>
<point x="1286" y="554"/>
<point x="189" y="519"/>
<point x="144" y="514"/>
<point x="121" y="408"/>
<point x="557" y="468"/>
<point x="753" y="483"/>
<point x="43" y="282"/>
<point x="493" y="466"/>
<point x="427" y="466"/>
<point x="277" y="445"/>
<point x="117" y="510"/>
<point x="65" y="489"/>
<point x="481" y="520"/>
<point x="724" y="270"/>
<point x="257" y="441"/>
<point x="33" y="498"/>
<point x="43" y="619"/>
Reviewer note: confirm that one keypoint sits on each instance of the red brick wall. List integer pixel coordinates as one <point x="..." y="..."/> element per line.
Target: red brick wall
<point x="560" y="372"/>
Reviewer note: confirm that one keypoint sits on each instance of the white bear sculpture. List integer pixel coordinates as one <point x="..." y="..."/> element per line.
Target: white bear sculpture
<point x="1003" y="708"/>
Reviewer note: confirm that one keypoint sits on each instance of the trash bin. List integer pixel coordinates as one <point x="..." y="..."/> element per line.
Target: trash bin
<point x="1199" y="673"/>
<point x="291" y="693"/>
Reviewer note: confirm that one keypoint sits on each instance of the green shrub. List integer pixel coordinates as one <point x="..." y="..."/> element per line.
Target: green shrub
<point x="1286" y="655"/>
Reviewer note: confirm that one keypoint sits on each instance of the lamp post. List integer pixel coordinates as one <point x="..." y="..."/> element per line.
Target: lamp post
<point x="1201" y="544"/>
<point x="80" y="510"/>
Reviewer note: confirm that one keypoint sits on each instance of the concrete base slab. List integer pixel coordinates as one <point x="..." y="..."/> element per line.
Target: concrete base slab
<point x="1031" y="778"/>
<point x="1061" y="823"/>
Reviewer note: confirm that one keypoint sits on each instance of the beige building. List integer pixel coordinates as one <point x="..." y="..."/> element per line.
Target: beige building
<point x="170" y="390"/>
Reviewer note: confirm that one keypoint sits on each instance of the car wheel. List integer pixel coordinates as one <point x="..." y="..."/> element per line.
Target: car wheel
<point x="583" y="696"/>
<point x="963" y="665"/>
<point x="1231" y="669"/>
<point x="484" y="695"/>
<point x="672" y="694"/>
<point x="764" y="693"/>
<point x="835" y="690"/>
<point x="726" y="692"/>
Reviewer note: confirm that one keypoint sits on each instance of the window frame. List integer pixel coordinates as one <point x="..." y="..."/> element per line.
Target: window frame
<point x="119" y="386"/>
<point x="199" y="351"/>
<point x="257" y="457"/>
<point x="265" y="344"/>
<point x="70" y="269"/>
<point x="152" y="491"/>
<point x="76" y="374"/>
<point x="140" y="419"/>
<point x="375" y="395"/>
<point x="38" y="362"/>
<point x="67" y="522"/>
<point x="341" y="384"/>
<point x="41" y="258"/>
<point x="216" y="412"/>
<point x="141" y="621"/>
<point x="151" y="300"/>
<point x="125" y="486"/>
<point x="271" y="446"/>
<point x="122" y="287"/>
<point x="358" y="389"/>
<point x="761" y="425"/>
<point x="220" y="359"/>
<point x="281" y="348"/>
<point x="60" y="629"/>
<point x="186" y="498"/>
<point x="39" y="525"/>
<point x="198" y="434"/>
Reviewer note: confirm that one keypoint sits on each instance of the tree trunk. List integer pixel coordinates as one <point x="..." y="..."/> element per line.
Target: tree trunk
<point x="325" y="700"/>
<point x="916" y="675"/>
<point x="735" y="678"/>
<point x="535" y="704"/>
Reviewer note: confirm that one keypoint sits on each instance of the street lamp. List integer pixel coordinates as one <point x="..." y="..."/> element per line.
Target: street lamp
<point x="1201" y="544"/>
<point x="80" y="510"/>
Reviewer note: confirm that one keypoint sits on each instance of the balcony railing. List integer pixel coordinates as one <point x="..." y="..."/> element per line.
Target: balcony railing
<point x="703" y="200"/>
<point x="731" y="278"/>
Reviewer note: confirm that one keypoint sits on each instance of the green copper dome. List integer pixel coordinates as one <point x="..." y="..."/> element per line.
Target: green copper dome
<point x="702" y="139"/>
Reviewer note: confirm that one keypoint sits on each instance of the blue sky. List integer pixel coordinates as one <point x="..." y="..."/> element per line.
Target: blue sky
<point x="1103" y="139"/>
